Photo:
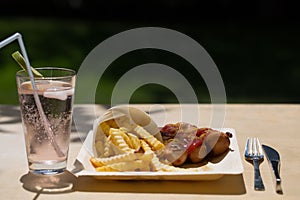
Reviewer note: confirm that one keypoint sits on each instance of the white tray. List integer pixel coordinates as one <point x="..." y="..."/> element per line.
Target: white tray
<point x="231" y="164"/>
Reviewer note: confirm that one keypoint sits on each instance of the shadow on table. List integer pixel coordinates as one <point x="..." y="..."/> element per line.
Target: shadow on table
<point x="67" y="182"/>
<point x="227" y="185"/>
<point x="49" y="184"/>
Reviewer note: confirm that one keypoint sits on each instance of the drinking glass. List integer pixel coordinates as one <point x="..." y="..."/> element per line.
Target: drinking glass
<point x="47" y="131"/>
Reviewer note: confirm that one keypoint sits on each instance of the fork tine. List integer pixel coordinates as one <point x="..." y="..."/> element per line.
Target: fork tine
<point x="251" y="146"/>
<point x="247" y="147"/>
<point x="260" y="151"/>
<point x="254" y="146"/>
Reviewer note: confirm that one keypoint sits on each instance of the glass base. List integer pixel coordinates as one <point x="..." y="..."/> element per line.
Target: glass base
<point x="47" y="167"/>
<point x="47" y="171"/>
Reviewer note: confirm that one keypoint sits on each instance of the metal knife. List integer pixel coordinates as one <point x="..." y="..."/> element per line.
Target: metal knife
<point x="274" y="160"/>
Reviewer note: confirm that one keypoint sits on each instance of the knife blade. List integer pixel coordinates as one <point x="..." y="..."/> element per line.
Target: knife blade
<point x="274" y="161"/>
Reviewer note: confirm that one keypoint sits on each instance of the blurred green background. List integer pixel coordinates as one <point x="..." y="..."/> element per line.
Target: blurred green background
<point x="255" y="47"/>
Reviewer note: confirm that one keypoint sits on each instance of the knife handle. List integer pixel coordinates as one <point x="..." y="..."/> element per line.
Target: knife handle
<point x="275" y="166"/>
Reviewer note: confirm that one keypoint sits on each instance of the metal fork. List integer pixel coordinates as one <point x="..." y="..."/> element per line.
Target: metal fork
<point x="254" y="154"/>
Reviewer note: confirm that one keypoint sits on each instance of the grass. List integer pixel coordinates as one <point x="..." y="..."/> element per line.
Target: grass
<point x="258" y="62"/>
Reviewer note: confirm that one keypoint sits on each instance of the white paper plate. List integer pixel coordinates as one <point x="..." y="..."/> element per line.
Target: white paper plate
<point x="231" y="164"/>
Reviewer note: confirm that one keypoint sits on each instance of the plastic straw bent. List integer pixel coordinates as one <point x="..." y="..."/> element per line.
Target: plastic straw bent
<point x="47" y="127"/>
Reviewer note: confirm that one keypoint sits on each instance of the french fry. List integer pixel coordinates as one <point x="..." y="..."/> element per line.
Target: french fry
<point x="108" y="148"/>
<point x="146" y="158"/>
<point x="125" y="130"/>
<point x="99" y="162"/>
<point x="136" y="165"/>
<point x="135" y="141"/>
<point x="126" y="138"/>
<point x="147" y="149"/>
<point x="118" y="140"/>
<point x="113" y="149"/>
<point x="154" y="143"/>
<point x="105" y="126"/>
<point x="106" y="169"/>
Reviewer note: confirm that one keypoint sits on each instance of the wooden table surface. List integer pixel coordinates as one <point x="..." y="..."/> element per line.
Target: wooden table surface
<point x="276" y="125"/>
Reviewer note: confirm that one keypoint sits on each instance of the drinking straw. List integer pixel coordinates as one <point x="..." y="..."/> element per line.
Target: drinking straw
<point x="18" y="36"/>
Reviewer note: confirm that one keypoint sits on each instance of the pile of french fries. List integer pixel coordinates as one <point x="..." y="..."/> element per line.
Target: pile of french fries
<point x="129" y="148"/>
